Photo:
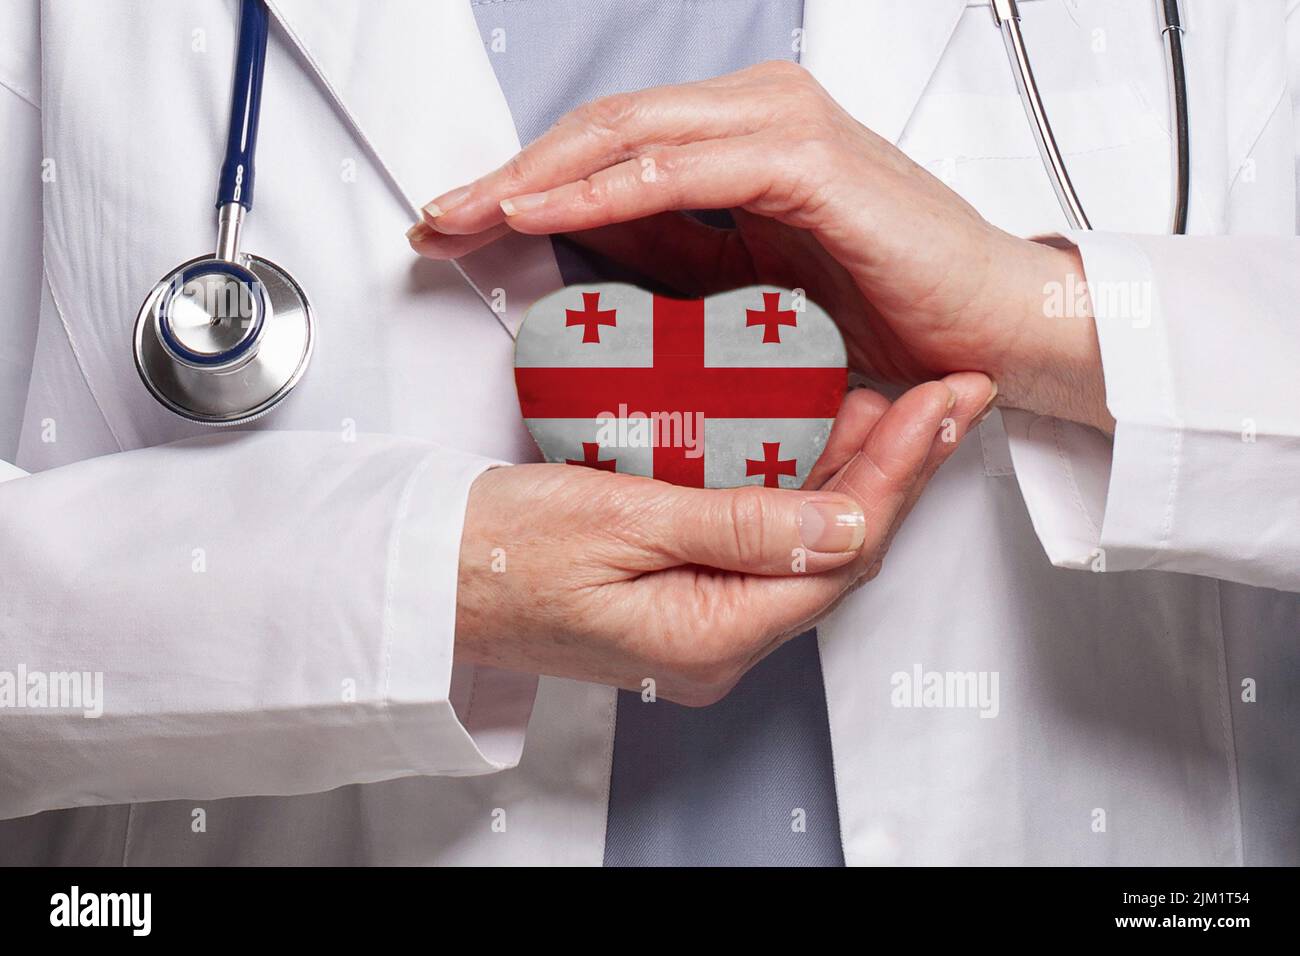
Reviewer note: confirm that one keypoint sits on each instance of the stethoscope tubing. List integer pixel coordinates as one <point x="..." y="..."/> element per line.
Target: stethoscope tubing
<point x="236" y="182"/>
<point x="1006" y="16"/>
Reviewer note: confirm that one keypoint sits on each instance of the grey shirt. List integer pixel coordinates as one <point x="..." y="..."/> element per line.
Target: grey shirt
<point x="749" y="780"/>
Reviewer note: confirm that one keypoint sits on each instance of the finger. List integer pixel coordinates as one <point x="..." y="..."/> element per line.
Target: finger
<point x="882" y="475"/>
<point x="675" y="250"/>
<point x="597" y="135"/>
<point x="712" y="174"/>
<point x="434" y="245"/>
<point x="975" y="393"/>
<point x="756" y="530"/>
<point x="858" y="414"/>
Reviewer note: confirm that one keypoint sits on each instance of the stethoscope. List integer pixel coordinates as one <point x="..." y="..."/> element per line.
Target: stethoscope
<point x="1006" y="15"/>
<point x="222" y="339"/>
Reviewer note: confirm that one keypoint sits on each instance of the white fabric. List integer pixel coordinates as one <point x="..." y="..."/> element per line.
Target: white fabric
<point x="329" y="559"/>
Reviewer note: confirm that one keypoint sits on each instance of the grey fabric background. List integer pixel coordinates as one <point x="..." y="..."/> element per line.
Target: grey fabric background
<point x="716" y="785"/>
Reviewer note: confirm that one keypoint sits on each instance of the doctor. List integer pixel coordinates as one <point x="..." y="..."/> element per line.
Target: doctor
<point x="306" y="652"/>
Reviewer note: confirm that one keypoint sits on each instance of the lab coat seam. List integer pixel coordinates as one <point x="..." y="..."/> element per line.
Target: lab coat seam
<point x="1169" y="401"/>
<point x="80" y="362"/>
<point x="1067" y="469"/>
<point x="991" y="470"/>
<point x="126" y="835"/>
<point x="1228" y="727"/>
<point x="1240" y="165"/>
<point x="390" y="572"/>
<point x="58" y="310"/>
<point x="1032" y="157"/>
<point x="24" y="94"/>
<point x="611" y="731"/>
<point x="468" y="722"/>
<point x="1175" y="465"/>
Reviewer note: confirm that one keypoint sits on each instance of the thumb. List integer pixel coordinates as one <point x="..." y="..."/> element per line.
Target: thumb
<point x="885" y="475"/>
<point x="761" y="530"/>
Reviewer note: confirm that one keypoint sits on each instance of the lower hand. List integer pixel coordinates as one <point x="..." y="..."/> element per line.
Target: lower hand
<point x="920" y="283"/>
<point x="616" y="578"/>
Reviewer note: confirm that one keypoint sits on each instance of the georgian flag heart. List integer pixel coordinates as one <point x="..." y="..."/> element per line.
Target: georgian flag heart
<point x="739" y="388"/>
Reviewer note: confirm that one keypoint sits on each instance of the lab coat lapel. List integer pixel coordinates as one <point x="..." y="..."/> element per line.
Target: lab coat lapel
<point x="876" y="56"/>
<point x="414" y="81"/>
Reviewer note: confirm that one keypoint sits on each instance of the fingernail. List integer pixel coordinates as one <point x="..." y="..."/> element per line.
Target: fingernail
<point x="831" y="527"/>
<point x="988" y="406"/>
<point x="446" y="203"/>
<point x="419" y="233"/>
<point x="524" y="203"/>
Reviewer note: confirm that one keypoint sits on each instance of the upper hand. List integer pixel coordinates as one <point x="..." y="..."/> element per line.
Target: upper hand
<point x="920" y="283"/>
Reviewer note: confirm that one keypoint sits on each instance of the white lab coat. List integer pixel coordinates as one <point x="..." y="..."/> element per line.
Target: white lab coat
<point x="273" y="609"/>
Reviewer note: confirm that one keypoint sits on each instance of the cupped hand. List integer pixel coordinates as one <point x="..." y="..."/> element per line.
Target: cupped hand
<point x="616" y="579"/>
<point x="919" y="282"/>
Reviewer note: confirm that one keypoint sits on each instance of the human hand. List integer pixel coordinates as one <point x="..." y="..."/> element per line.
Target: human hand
<point x="616" y="578"/>
<point x="919" y="282"/>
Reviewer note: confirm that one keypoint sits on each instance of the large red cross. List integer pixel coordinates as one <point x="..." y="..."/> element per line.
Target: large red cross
<point x="679" y="381"/>
<point x="591" y="317"/>
<point x="772" y="466"/>
<point x="771" y="317"/>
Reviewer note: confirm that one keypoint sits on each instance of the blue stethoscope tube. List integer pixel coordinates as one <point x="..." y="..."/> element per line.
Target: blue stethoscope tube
<point x="236" y="184"/>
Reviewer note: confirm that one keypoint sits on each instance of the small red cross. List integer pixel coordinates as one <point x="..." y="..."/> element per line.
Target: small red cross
<point x="591" y="318"/>
<point x="591" y="458"/>
<point x="771" y="317"/>
<point x="772" y="466"/>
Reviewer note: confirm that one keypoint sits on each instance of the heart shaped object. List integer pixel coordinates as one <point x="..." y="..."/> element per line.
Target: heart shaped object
<point x="739" y="388"/>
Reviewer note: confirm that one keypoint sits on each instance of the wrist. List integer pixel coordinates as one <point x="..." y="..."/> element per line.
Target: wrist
<point x="1054" y="365"/>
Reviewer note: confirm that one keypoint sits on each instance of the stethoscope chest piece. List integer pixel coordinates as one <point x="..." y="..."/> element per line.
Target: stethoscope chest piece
<point x="223" y="342"/>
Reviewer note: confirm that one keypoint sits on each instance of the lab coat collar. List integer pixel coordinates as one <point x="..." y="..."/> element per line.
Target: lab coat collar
<point x="413" y="81"/>
<point x="875" y="57"/>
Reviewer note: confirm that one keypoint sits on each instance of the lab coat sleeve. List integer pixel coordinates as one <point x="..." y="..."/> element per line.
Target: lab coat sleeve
<point x="1200" y="345"/>
<point x="1203" y="475"/>
<point x="255" y="613"/>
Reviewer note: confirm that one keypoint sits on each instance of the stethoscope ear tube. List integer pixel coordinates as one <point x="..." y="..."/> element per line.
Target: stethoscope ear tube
<point x="1006" y="16"/>
<point x="236" y="184"/>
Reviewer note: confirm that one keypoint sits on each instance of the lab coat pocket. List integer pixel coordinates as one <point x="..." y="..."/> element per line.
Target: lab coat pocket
<point x="1116" y="149"/>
